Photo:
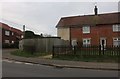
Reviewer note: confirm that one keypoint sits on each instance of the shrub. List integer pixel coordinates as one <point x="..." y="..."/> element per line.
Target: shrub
<point x="10" y="45"/>
<point x="30" y="49"/>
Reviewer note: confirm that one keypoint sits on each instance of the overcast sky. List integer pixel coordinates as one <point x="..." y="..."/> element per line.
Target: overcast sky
<point x="42" y="17"/>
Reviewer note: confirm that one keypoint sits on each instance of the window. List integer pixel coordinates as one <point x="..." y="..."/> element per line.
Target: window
<point x="7" y="33"/>
<point x="86" y="29"/>
<point x="22" y="36"/>
<point x="116" y="28"/>
<point x="12" y="42"/>
<point x="12" y="33"/>
<point x="86" y="42"/>
<point x="74" y="42"/>
<point x="116" y="41"/>
<point x="7" y="41"/>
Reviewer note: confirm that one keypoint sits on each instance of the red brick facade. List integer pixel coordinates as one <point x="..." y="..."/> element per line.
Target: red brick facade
<point x="101" y="28"/>
<point x="13" y="37"/>
<point x="96" y="32"/>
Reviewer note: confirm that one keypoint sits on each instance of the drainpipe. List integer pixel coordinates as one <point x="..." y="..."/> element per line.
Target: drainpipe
<point x="70" y="37"/>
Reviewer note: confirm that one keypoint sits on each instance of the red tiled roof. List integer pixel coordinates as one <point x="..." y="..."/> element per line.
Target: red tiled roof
<point x="5" y="26"/>
<point x="17" y="31"/>
<point x="108" y="18"/>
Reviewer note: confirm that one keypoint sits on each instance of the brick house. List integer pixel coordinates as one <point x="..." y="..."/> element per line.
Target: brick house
<point x="90" y="29"/>
<point x="10" y="35"/>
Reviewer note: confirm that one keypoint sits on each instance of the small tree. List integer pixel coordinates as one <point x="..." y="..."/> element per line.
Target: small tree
<point x="29" y="34"/>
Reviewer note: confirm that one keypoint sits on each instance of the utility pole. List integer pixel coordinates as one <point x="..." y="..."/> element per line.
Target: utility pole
<point x="23" y="31"/>
<point x="23" y="37"/>
<point x="96" y="9"/>
<point x="96" y="19"/>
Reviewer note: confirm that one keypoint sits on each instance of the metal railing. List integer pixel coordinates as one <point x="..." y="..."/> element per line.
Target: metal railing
<point x="87" y="51"/>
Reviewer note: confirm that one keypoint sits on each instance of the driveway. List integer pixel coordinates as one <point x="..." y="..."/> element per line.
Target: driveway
<point x="6" y="52"/>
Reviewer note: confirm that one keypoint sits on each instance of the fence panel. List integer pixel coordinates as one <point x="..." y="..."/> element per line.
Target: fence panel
<point x="62" y="50"/>
<point x="86" y="51"/>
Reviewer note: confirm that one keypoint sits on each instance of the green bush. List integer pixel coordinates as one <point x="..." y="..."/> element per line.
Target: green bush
<point x="28" y="54"/>
<point x="30" y="49"/>
<point x="6" y="45"/>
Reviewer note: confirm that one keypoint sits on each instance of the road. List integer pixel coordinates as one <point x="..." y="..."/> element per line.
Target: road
<point x="19" y="69"/>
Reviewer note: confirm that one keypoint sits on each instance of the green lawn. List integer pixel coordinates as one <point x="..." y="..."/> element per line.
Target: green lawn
<point x="78" y="57"/>
<point x="28" y="54"/>
<point x="88" y="58"/>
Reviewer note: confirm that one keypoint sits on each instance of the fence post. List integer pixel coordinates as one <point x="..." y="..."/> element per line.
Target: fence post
<point x="74" y="50"/>
<point x="100" y="50"/>
<point x="53" y="53"/>
<point x="103" y="49"/>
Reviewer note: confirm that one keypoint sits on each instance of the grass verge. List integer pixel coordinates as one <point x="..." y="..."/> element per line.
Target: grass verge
<point x="113" y="59"/>
<point x="88" y="58"/>
<point x="28" y="54"/>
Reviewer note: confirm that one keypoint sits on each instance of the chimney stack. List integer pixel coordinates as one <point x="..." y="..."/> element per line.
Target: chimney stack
<point x="96" y="10"/>
<point x="23" y="28"/>
<point x="23" y="31"/>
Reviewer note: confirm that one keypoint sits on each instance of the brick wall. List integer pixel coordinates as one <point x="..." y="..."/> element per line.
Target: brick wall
<point x="14" y="37"/>
<point x="96" y="32"/>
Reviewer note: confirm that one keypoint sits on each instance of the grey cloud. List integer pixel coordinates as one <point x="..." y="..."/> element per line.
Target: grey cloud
<point x="42" y="17"/>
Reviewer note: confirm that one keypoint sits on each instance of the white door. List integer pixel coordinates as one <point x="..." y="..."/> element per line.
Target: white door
<point x="74" y="42"/>
<point x="86" y="42"/>
<point x="103" y="42"/>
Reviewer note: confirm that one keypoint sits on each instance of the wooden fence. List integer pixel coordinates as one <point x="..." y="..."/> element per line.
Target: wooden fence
<point x="87" y="51"/>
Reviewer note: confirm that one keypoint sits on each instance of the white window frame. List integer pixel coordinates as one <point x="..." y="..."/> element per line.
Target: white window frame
<point x="117" y="40"/>
<point x="116" y="28"/>
<point x="86" y="29"/>
<point x="22" y="36"/>
<point x="13" y="42"/>
<point x="7" y="41"/>
<point x="7" y="32"/>
<point x="12" y="33"/>
<point x="86" y="43"/>
<point x="74" y="42"/>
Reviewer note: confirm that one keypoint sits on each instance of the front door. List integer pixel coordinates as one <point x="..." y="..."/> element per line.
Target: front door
<point x="103" y="42"/>
<point x="74" y="42"/>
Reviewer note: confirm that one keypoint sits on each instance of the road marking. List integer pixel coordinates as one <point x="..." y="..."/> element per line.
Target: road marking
<point x="7" y="61"/>
<point x="37" y="64"/>
<point x="29" y="63"/>
<point x="18" y="62"/>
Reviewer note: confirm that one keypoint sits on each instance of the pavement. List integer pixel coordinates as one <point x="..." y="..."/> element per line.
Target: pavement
<point x="60" y="63"/>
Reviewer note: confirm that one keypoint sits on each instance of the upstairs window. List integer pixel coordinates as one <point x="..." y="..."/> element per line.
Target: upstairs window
<point x="7" y="33"/>
<point x="116" y="28"/>
<point x="86" y="29"/>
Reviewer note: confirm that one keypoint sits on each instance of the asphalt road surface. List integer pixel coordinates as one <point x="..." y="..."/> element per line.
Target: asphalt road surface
<point x="19" y="69"/>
